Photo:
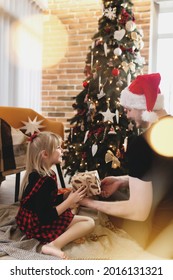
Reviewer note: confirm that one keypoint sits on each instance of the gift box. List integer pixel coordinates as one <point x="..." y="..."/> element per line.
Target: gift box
<point x="89" y="179"/>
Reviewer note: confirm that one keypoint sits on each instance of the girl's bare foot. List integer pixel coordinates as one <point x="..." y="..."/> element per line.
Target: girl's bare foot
<point x="50" y="249"/>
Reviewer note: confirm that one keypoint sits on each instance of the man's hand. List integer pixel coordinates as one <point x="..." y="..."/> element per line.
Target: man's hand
<point x="111" y="184"/>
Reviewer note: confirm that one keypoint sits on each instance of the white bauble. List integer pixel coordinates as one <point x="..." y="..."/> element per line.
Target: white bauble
<point x="117" y="51"/>
<point x="130" y="26"/>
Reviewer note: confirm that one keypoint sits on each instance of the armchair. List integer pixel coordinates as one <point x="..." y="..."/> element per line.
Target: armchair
<point x="14" y="117"/>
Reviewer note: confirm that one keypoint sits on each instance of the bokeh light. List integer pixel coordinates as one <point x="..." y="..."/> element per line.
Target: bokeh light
<point x="38" y="42"/>
<point x="55" y="41"/>
<point x="161" y="137"/>
<point x="26" y="42"/>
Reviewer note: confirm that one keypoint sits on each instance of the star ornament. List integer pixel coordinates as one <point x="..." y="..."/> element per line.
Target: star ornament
<point x="32" y="126"/>
<point x="108" y="115"/>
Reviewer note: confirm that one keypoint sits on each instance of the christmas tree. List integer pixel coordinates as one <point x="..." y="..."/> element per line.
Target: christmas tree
<point x="99" y="132"/>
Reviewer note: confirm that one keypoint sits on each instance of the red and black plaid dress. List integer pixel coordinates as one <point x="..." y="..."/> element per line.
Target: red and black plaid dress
<point x="37" y="216"/>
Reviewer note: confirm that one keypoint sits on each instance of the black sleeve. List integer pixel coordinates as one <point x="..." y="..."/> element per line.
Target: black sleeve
<point x="140" y="159"/>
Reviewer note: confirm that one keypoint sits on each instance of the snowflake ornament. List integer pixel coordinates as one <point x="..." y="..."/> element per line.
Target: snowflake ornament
<point x="32" y="126"/>
<point x="110" y="13"/>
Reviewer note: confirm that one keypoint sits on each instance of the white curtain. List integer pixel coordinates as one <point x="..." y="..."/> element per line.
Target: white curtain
<point x="21" y="53"/>
<point x="161" y="56"/>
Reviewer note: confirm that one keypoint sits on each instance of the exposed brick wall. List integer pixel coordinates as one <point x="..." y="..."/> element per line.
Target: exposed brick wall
<point x="75" y="22"/>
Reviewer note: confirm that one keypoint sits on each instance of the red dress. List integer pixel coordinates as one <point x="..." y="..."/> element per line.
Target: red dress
<point x="37" y="216"/>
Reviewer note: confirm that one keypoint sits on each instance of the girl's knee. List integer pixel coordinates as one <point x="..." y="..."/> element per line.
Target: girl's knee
<point x="91" y="222"/>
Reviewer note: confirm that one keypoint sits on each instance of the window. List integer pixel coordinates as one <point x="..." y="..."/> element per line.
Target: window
<point x="162" y="45"/>
<point x="21" y="53"/>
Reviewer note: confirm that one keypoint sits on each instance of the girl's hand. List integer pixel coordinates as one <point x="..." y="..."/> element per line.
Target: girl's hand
<point x="76" y="196"/>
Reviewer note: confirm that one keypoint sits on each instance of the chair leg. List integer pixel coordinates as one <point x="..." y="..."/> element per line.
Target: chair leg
<point x="17" y="187"/>
<point x="60" y="176"/>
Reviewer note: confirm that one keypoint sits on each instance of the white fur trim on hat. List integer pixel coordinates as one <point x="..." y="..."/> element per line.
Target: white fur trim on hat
<point x="135" y="101"/>
<point x="149" y="116"/>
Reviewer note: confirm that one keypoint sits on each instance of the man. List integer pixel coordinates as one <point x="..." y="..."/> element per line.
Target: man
<point x="150" y="174"/>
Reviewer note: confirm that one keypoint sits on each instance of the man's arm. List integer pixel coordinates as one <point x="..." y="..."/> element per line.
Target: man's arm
<point x="136" y="208"/>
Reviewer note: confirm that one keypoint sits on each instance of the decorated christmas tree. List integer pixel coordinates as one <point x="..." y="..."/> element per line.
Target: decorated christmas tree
<point x="99" y="133"/>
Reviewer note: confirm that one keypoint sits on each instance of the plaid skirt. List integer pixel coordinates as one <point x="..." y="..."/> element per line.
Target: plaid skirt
<point x="29" y="223"/>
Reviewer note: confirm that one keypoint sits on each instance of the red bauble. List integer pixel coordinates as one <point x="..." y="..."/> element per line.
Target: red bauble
<point x="115" y="72"/>
<point x="85" y="84"/>
<point x="107" y="29"/>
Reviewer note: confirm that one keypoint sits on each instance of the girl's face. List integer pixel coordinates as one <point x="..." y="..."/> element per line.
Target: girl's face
<point x="56" y="156"/>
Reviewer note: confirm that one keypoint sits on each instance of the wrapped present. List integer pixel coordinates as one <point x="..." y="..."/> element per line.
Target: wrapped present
<point x="89" y="179"/>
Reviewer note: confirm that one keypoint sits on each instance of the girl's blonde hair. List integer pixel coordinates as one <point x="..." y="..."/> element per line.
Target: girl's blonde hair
<point x="43" y="141"/>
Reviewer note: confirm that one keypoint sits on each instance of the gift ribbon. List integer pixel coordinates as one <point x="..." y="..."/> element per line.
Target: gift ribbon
<point x="128" y="66"/>
<point x="110" y="157"/>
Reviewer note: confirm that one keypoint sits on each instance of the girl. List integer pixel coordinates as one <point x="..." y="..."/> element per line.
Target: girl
<point x="43" y="214"/>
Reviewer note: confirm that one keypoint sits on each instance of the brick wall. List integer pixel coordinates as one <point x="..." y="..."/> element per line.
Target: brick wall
<point x="69" y="26"/>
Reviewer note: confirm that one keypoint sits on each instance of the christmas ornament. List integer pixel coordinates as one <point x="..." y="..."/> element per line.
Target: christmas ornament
<point x="105" y="49"/>
<point x="107" y="29"/>
<point x="117" y="51"/>
<point x="119" y="83"/>
<point x="115" y="72"/>
<point x="99" y="41"/>
<point x="110" y="63"/>
<point x="100" y="81"/>
<point x="86" y="136"/>
<point x="32" y="126"/>
<point x="101" y="94"/>
<point x="128" y="66"/>
<point x="71" y="134"/>
<point x="108" y="116"/>
<point x="139" y="59"/>
<point x="130" y="25"/>
<point x="125" y="144"/>
<point x="92" y="55"/>
<point x="112" y="131"/>
<point x="139" y="44"/>
<point x="117" y="115"/>
<point x="94" y="149"/>
<point x="119" y="34"/>
<point x="85" y="84"/>
<point x="110" y="157"/>
<point x="134" y="36"/>
<point x="110" y="13"/>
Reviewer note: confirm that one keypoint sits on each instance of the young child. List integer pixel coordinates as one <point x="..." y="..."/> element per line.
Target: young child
<point x="44" y="214"/>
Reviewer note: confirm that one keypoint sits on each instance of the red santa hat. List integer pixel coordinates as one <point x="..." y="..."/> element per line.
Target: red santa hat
<point x="144" y="94"/>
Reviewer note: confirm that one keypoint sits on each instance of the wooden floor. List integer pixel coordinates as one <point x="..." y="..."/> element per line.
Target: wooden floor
<point x="7" y="189"/>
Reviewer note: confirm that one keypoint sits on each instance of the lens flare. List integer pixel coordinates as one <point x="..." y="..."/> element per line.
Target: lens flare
<point x="55" y="41"/>
<point x="38" y="42"/>
<point x="161" y="137"/>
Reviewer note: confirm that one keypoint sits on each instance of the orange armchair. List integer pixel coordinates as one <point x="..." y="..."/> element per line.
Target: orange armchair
<point x="14" y="117"/>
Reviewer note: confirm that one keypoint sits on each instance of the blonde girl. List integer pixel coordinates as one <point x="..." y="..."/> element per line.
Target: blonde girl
<point x="44" y="214"/>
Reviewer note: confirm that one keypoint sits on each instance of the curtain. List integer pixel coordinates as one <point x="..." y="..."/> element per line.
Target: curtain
<point x="21" y="53"/>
